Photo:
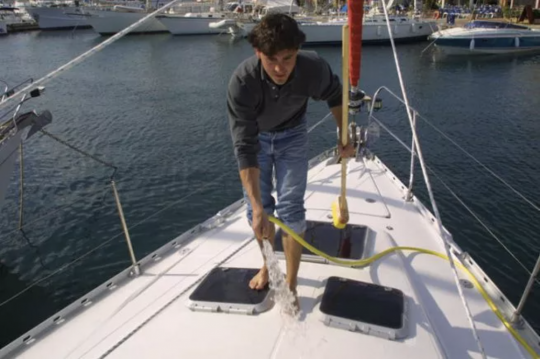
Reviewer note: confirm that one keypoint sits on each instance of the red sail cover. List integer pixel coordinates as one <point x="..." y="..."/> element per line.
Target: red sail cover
<point x="356" y="14"/>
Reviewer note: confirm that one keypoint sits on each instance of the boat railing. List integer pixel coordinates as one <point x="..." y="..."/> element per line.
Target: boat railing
<point x="414" y="149"/>
<point x="416" y="153"/>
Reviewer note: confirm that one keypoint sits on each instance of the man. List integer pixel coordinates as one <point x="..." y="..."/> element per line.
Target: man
<point x="266" y="101"/>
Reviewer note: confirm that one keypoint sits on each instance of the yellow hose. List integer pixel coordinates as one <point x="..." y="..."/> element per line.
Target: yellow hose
<point x="368" y="261"/>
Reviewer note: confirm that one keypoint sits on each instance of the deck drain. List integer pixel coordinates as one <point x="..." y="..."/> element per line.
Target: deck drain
<point x="389" y="228"/>
<point x="370" y="200"/>
<point x="466" y="283"/>
<point x="29" y="340"/>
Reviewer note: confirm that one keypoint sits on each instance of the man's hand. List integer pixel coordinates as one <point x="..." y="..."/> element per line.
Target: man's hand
<point x="345" y="151"/>
<point x="260" y="224"/>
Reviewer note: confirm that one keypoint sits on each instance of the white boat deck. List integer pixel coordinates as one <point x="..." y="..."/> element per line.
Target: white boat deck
<point x="148" y="317"/>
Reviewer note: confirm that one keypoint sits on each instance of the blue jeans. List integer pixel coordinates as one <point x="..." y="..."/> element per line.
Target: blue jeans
<point x="284" y="152"/>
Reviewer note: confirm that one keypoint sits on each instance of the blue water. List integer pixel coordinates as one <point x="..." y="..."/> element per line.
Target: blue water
<point x="154" y="106"/>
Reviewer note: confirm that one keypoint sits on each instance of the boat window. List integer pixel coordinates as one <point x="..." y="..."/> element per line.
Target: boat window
<point x="227" y="290"/>
<point x="347" y="243"/>
<point x="479" y="24"/>
<point x="364" y="307"/>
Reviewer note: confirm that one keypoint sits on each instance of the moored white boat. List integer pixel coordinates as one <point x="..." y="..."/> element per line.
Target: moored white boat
<point x="191" y="23"/>
<point x="3" y="28"/>
<point x="109" y="22"/>
<point x="487" y="37"/>
<point x="61" y="17"/>
<point x="327" y="29"/>
<point x="375" y="30"/>
<point x="179" y="22"/>
<point x="11" y="18"/>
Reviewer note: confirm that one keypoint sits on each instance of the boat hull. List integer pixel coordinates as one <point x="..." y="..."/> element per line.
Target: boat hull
<point x="3" y="28"/>
<point x="464" y="41"/>
<point x="466" y="50"/>
<point x="111" y="22"/>
<point x="53" y="18"/>
<point x="373" y="33"/>
<point x="187" y="25"/>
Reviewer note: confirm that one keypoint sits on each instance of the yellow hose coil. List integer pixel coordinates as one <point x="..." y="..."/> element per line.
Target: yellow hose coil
<point x="368" y="261"/>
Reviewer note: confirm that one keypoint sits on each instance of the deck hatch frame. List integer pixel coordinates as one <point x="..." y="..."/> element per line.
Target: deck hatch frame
<point x="226" y="290"/>
<point x="365" y="307"/>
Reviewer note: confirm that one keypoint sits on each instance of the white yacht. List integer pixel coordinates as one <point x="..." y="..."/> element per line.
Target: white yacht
<point x="487" y="37"/>
<point x="3" y="27"/>
<point x="112" y="21"/>
<point x="191" y="23"/>
<point x="201" y="22"/>
<point x="12" y="17"/>
<point x="50" y="16"/>
<point x="375" y="30"/>
<point x="392" y="284"/>
<point x="327" y="29"/>
<point x="109" y="22"/>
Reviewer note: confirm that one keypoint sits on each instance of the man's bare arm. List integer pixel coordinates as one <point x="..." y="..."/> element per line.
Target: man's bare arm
<point x="250" y="181"/>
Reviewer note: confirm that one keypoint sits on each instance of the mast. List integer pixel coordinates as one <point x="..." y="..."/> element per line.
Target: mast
<point x="355" y="20"/>
<point x="352" y="97"/>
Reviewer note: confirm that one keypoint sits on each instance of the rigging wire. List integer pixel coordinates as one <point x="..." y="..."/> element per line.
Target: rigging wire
<point x="84" y="56"/>
<point x="428" y="186"/>
<point x="499" y="178"/>
<point x="481" y="222"/>
<point x="84" y="153"/>
<point x="90" y="223"/>
<point x="460" y="201"/>
<point x="20" y="227"/>
<point x="35" y="248"/>
<point x="21" y="209"/>
<point x="5" y="238"/>
<point x="65" y="266"/>
<point x="79" y="258"/>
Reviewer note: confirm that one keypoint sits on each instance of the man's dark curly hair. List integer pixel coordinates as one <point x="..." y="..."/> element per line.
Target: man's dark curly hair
<point x="276" y="32"/>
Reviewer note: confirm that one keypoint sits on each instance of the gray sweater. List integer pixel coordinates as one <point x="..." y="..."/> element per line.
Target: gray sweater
<point x="255" y="104"/>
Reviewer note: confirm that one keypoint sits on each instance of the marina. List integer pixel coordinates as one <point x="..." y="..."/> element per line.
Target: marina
<point x="131" y="203"/>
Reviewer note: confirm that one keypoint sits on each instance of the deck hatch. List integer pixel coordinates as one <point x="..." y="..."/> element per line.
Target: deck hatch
<point x="364" y="307"/>
<point x="347" y="243"/>
<point x="226" y="290"/>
